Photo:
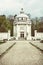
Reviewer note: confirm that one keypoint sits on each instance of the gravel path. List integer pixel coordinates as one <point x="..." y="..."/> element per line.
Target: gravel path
<point x="22" y="53"/>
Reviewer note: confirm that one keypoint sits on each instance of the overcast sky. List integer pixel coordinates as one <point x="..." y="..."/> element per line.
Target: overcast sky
<point x="12" y="7"/>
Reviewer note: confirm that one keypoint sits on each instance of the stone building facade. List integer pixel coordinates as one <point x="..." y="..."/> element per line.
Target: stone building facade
<point x="22" y="26"/>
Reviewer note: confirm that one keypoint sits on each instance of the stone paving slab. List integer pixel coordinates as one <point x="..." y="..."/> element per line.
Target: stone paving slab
<point x="5" y="46"/>
<point x="37" y="44"/>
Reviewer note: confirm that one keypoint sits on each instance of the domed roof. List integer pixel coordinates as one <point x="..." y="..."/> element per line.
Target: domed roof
<point x="22" y="14"/>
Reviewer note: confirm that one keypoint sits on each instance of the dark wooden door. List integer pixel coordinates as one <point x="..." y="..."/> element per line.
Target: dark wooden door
<point x="22" y="34"/>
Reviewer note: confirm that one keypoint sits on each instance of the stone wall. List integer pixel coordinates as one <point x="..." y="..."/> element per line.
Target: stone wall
<point x="5" y="35"/>
<point x="38" y="35"/>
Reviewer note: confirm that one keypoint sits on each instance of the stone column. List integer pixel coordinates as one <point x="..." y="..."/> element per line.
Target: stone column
<point x="29" y="32"/>
<point x="35" y="34"/>
<point x="17" y="33"/>
<point x="25" y="32"/>
<point x="8" y="34"/>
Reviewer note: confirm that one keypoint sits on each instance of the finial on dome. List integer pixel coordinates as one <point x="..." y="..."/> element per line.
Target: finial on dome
<point x="21" y="11"/>
<point x="21" y="8"/>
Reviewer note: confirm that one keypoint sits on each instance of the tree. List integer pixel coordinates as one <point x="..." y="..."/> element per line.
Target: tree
<point x="11" y="22"/>
<point x="29" y="15"/>
<point x="15" y="16"/>
<point x="4" y="23"/>
<point x="32" y="28"/>
<point x="37" y="22"/>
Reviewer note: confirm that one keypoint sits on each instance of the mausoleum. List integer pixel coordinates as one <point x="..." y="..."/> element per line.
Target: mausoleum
<point x="22" y="26"/>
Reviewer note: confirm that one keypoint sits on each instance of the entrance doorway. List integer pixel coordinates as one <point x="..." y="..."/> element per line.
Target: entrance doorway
<point x="22" y="34"/>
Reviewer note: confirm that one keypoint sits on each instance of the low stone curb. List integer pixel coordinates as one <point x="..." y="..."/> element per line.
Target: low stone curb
<point x="7" y="49"/>
<point x="36" y="46"/>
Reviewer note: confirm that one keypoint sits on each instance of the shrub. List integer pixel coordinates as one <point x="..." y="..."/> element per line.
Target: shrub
<point x="41" y="41"/>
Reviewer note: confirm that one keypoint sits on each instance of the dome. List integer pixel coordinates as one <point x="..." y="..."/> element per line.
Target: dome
<point x="22" y="14"/>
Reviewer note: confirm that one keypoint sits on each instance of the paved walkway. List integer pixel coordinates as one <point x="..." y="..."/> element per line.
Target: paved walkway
<point x="22" y="53"/>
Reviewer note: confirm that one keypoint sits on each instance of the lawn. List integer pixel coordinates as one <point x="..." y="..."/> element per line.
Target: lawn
<point x="1" y="42"/>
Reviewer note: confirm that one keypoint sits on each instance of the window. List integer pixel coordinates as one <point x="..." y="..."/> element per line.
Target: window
<point x="22" y="18"/>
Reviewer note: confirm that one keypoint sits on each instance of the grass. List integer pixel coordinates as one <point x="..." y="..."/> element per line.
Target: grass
<point x="1" y="42"/>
